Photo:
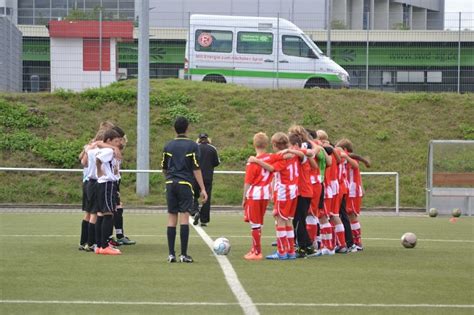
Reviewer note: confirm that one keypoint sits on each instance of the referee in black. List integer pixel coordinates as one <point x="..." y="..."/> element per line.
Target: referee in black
<point x="180" y="166"/>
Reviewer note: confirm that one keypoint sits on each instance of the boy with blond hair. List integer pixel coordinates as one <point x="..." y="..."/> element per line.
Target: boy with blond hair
<point x="257" y="193"/>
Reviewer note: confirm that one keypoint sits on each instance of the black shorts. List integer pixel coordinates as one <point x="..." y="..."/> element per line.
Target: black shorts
<point x="180" y="197"/>
<point x="107" y="196"/>
<point x="89" y="197"/>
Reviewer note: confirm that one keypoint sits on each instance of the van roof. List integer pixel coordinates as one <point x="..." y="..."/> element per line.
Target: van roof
<point x="241" y="21"/>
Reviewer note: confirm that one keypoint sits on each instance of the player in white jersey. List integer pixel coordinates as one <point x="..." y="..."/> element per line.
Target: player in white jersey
<point x="121" y="238"/>
<point x="107" y="172"/>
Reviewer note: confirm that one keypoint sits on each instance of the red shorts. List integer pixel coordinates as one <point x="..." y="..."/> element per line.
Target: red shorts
<point x="336" y="204"/>
<point x="255" y="211"/>
<point x="285" y="209"/>
<point x="353" y="205"/>
<point x="314" y="206"/>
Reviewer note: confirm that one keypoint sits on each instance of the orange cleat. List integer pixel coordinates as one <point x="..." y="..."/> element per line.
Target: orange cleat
<point x="254" y="256"/>
<point x="250" y="253"/>
<point x="110" y="251"/>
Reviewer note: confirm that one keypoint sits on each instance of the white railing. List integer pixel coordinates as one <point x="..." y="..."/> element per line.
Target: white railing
<point x="77" y="170"/>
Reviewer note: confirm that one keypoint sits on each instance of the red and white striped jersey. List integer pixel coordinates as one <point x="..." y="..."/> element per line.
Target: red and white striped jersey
<point x="355" y="181"/>
<point x="286" y="174"/>
<point x="259" y="179"/>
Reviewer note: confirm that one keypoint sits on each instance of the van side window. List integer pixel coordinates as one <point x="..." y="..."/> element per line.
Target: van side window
<point x="296" y="46"/>
<point x="213" y="41"/>
<point x="255" y="43"/>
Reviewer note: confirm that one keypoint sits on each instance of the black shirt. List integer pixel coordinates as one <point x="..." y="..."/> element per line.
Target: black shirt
<point x="208" y="159"/>
<point x="180" y="159"/>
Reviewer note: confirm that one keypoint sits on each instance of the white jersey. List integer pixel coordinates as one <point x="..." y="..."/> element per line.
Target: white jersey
<point x="90" y="172"/>
<point x="109" y="166"/>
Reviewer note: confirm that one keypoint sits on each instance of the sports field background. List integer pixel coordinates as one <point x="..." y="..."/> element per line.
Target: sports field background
<point x="42" y="272"/>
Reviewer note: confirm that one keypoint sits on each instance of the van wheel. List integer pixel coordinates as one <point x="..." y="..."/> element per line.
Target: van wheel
<point x="317" y="83"/>
<point x="214" y="78"/>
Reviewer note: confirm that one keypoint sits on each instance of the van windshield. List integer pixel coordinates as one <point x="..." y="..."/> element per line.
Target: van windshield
<point x="310" y="42"/>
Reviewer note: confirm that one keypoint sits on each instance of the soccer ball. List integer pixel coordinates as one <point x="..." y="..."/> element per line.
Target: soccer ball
<point x="433" y="212"/>
<point x="456" y="212"/>
<point x="408" y="240"/>
<point x="221" y="246"/>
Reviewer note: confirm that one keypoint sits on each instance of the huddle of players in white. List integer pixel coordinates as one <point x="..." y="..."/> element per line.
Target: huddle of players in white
<point x="101" y="204"/>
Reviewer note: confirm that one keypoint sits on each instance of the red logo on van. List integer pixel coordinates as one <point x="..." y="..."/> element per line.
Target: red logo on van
<point x="205" y="39"/>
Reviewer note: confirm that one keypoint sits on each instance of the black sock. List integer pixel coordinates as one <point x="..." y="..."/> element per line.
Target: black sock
<point x="98" y="231"/>
<point x="118" y="223"/>
<point x="107" y="229"/>
<point x="171" y="232"/>
<point x="84" y="231"/>
<point x="91" y="234"/>
<point x="184" y="235"/>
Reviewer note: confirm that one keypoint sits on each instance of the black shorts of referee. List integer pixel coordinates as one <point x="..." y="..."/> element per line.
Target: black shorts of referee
<point x="179" y="196"/>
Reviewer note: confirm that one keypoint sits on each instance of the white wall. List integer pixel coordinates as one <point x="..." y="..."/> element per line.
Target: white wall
<point x="66" y="66"/>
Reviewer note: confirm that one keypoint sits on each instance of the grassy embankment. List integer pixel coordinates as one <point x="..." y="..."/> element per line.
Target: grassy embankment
<point x="393" y="130"/>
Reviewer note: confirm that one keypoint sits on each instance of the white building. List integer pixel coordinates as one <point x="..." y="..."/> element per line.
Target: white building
<point x="78" y="60"/>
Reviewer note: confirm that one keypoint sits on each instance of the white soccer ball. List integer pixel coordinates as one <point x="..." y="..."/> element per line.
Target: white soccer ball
<point x="433" y="212"/>
<point x="456" y="212"/>
<point x="408" y="240"/>
<point x="221" y="246"/>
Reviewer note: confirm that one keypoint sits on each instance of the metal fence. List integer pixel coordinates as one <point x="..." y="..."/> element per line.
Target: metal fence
<point x="399" y="49"/>
<point x="450" y="176"/>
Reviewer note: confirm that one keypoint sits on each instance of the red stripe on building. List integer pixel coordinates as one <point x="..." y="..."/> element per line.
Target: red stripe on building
<point x="91" y="53"/>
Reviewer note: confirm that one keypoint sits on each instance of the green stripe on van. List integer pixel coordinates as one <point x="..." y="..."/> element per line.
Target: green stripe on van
<point x="267" y="74"/>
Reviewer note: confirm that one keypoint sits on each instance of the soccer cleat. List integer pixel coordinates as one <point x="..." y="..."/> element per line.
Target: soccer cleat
<point x="114" y="242"/>
<point x="291" y="256"/>
<point x="196" y="219"/>
<point x="98" y="250"/>
<point x="82" y="247"/>
<point x="352" y="249"/>
<point x="327" y="252"/>
<point x="171" y="258"/>
<point x="277" y="256"/>
<point x="250" y="253"/>
<point x="300" y="253"/>
<point x="274" y="243"/>
<point x="185" y="259"/>
<point x="125" y="241"/>
<point x="110" y="251"/>
<point x="342" y="250"/>
<point x="309" y="250"/>
<point x="203" y="224"/>
<point x="315" y="254"/>
<point x="254" y="256"/>
<point x="359" y="247"/>
<point x="88" y="248"/>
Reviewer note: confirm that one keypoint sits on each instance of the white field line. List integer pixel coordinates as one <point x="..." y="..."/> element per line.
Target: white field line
<point x="362" y="305"/>
<point x="233" y="281"/>
<point x="234" y="236"/>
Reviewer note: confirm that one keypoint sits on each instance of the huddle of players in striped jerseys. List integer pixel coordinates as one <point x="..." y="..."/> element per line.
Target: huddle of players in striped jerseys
<point x="101" y="203"/>
<point x="316" y="189"/>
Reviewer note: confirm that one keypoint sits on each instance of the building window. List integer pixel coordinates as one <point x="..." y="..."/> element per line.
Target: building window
<point x="91" y="55"/>
<point x="410" y="76"/>
<point x="434" y="76"/>
<point x="255" y="43"/>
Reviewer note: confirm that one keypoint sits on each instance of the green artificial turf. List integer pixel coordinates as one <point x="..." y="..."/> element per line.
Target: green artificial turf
<point x="40" y="262"/>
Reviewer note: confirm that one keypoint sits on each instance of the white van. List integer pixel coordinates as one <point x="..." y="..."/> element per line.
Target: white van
<point x="257" y="52"/>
